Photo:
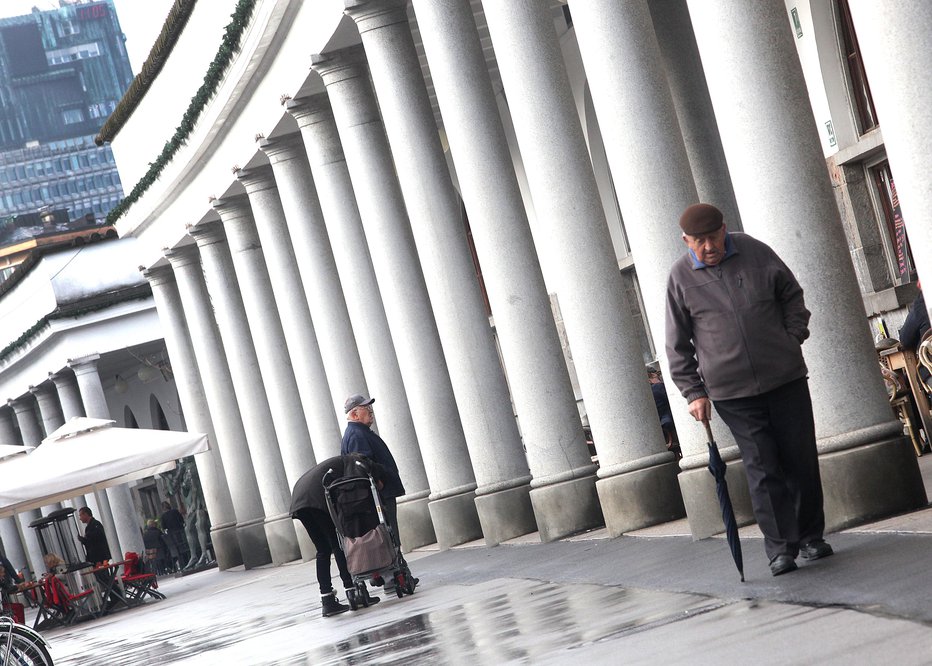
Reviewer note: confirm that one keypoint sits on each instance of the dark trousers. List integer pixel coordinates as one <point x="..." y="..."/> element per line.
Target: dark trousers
<point x="390" y="509"/>
<point x="775" y="432"/>
<point x="320" y="528"/>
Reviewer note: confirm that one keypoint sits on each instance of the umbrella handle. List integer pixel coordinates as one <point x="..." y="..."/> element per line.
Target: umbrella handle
<point x="708" y="430"/>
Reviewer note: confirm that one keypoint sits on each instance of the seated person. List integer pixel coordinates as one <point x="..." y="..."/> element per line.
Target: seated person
<point x="664" y="413"/>
<point x="8" y="584"/>
<point x="54" y="564"/>
<point x="914" y="329"/>
<point x="9" y="576"/>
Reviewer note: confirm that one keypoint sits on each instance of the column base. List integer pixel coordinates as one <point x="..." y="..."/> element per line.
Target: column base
<point x="226" y="546"/>
<point x="701" y="501"/>
<point x="283" y="540"/>
<point x="305" y="545"/>
<point x="506" y="514"/>
<point x="870" y="482"/>
<point x="253" y="543"/>
<point x="415" y="524"/>
<point x="455" y="519"/>
<point x="641" y="498"/>
<point x="566" y="508"/>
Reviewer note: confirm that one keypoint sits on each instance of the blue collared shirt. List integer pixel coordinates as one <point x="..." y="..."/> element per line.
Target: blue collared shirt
<point x="729" y="250"/>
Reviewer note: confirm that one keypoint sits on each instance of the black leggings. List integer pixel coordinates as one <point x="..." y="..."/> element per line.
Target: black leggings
<point x="320" y="528"/>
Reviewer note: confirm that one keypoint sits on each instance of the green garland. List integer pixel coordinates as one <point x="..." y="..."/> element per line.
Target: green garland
<point x="65" y="312"/>
<point x="174" y="25"/>
<point x="228" y="50"/>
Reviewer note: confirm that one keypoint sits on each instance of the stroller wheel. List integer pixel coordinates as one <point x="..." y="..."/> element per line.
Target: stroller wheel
<point x="351" y="599"/>
<point x="401" y="584"/>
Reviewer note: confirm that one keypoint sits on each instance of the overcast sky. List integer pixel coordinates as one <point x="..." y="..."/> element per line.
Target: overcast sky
<point x="141" y="21"/>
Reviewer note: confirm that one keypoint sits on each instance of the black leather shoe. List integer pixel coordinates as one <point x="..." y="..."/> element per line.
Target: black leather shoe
<point x="782" y="564"/>
<point x="815" y="550"/>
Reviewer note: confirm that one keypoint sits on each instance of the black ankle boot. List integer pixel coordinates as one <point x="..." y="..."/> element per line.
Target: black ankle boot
<point x="330" y="606"/>
<point x="370" y="600"/>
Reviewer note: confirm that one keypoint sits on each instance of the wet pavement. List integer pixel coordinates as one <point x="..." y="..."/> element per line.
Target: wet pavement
<point x="654" y="596"/>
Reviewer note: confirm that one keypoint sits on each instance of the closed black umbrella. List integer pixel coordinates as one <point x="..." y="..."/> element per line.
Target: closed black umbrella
<point x="717" y="468"/>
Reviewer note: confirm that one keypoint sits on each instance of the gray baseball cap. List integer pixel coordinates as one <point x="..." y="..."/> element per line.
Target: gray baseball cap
<point x="356" y="400"/>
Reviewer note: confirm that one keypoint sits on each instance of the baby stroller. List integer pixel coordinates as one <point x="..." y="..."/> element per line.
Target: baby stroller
<point x="366" y="539"/>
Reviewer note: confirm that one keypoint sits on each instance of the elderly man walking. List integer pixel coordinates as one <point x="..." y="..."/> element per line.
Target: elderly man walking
<point x="359" y="438"/>
<point x="735" y="323"/>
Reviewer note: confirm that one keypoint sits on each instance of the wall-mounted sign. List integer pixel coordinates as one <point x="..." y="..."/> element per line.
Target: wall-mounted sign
<point x="796" y="24"/>
<point x="91" y="12"/>
<point x="831" y="132"/>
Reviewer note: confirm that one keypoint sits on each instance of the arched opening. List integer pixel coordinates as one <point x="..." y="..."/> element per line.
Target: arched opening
<point x="159" y="421"/>
<point x="129" y="419"/>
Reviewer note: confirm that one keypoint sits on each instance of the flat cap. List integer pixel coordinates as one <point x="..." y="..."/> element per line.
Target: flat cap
<point x="701" y="219"/>
<point x="356" y="400"/>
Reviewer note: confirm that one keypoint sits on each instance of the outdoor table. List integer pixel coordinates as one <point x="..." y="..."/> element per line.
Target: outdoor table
<point x="32" y="591"/>
<point x="109" y="591"/>
<point x="28" y="593"/>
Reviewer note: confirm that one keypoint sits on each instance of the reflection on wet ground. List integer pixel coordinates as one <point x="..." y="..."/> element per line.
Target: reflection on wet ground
<point x="496" y="622"/>
<point x="471" y="609"/>
<point x="520" y="623"/>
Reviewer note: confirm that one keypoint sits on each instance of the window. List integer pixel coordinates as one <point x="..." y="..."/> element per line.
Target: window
<point x="72" y="116"/>
<point x="896" y="242"/>
<point x="67" y="28"/>
<point x="859" y="87"/>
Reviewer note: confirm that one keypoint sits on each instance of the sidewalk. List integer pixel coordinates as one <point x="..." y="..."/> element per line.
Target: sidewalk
<point x="654" y="596"/>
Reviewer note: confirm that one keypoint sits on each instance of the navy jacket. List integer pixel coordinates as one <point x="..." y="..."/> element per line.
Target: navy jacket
<point x="359" y="438"/>
<point x="916" y="324"/>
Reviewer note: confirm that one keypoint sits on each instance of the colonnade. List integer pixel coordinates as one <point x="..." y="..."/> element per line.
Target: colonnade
<point x="343" y="266"/>
<point x="75" y="390"/>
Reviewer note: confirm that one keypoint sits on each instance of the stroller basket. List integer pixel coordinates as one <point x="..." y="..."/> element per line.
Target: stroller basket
<point x="357" y="514"/>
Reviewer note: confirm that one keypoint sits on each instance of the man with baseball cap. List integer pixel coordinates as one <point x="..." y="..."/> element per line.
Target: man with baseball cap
<point x="735" y="323"/>
<point x="359" y="438"/>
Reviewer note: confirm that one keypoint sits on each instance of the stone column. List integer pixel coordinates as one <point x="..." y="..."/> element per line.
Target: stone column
<point x="9" y="533"/>
<point x="70" y="400"/>
<point x="436" y="218"/>
<point x="601" y="332"/>
<point x="531" y="350"/>
<point x="280" y="286"/>
<point x="783" y="190"/>
<point x="49" y="409"/>
<point x="68" y="395"/>
<point x="366" y="312"/>
<point x="50" y="414"/>
<point x="250" y="392"/>
<point x="895" y="41"/>
<point x="196" y="415"/>
<point x="31" y="435"/>
<point x="8" y="434"/>
<point x="125" y="517"/>
<point x="225" y="416"/>
<point x="679" y="57"/>
<point x="12" y="544"/>
<point x="292" y="405"/>
<point x="655" y="184"/>
<point x="401" y="283"/>
<point x="318" y="270"/>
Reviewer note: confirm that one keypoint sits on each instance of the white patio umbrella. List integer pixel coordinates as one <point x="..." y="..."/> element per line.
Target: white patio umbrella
<point x="86" y="455"/>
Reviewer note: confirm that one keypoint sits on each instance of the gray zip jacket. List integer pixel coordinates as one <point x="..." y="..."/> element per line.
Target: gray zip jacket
<point x="735" y="330"/>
